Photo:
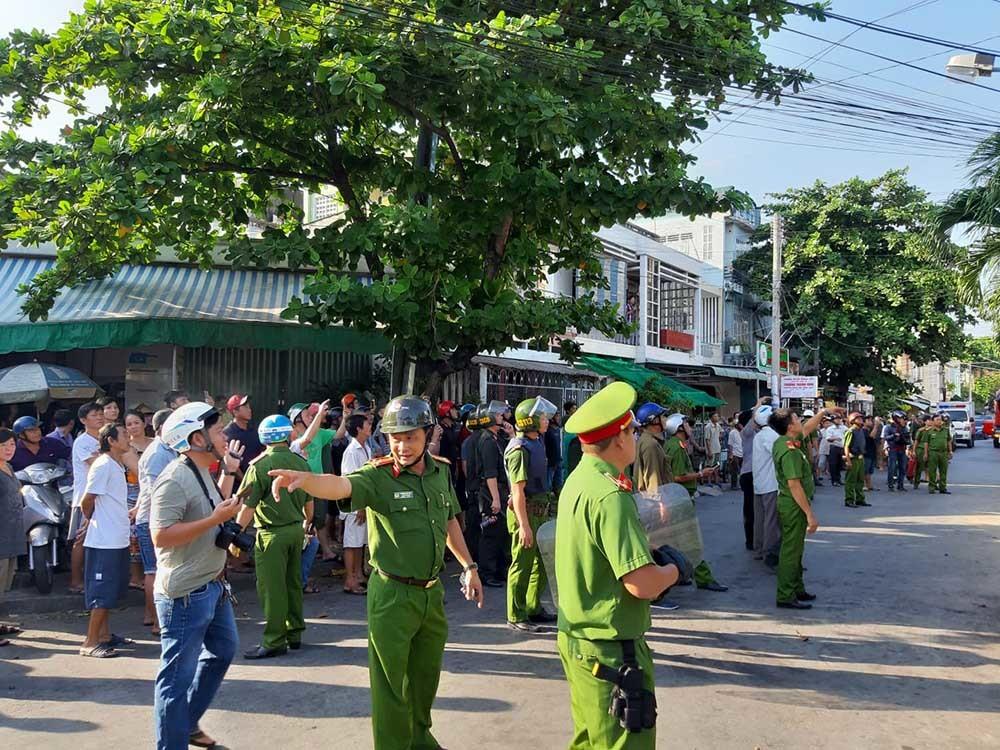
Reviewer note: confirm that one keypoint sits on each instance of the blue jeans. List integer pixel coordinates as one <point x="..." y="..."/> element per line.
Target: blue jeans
<point x="897" y="468"/>
<point x="198" y="640"/>
<point x="308" y="558"/>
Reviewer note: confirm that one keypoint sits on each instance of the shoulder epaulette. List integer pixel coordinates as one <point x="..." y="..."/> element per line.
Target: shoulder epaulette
<point x="442" y="459"/>
<point x="384" y="461"/>
<point x="257" y="458"/>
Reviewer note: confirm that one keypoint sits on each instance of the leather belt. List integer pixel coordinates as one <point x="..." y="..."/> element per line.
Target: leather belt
<point x="420" y="583"/>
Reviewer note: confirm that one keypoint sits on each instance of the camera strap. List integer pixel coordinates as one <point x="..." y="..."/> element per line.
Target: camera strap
<point x="201" y="482"/>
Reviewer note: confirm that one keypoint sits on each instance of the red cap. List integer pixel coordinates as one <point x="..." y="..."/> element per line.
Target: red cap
<point x="608" y="430"/>
<point x="445" y="407"/>
<point x="313" y="408"/>
<point x="236" y="401"/>
<point x="348" y="400"/>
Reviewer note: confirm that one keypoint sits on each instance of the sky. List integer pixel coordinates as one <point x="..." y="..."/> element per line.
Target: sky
<point x="738" y="150"/>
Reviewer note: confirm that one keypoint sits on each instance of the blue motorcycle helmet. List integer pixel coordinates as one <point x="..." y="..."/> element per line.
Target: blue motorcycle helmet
<point x="276" y="428"/>
<point x="23" y="424"/>
<point x="649" y="413"/>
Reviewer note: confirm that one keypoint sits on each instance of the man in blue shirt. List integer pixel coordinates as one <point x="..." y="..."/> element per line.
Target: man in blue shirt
<point x="64" y="424"/>
<point x="32" y="448"/>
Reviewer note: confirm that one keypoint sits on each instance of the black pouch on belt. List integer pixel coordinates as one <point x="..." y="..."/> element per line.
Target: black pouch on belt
<point x="631" y="703"/>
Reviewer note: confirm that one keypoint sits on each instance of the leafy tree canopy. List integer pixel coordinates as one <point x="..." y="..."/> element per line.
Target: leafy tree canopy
<point x="861" y="280"/>
<point x="985" y="388"/>
<point x="549" y="120"/>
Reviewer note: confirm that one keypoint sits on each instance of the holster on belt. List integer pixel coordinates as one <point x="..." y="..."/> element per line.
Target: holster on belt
<point x="631" y="703"/>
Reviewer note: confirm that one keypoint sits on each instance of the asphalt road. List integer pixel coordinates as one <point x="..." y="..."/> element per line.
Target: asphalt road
<point x="901" y="651"/>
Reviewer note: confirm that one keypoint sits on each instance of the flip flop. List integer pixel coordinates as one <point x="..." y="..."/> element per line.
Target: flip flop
<point x="74" y="590"/>
<point x="310" y="589"/>
<point x="198" y="738"/>
<point x="356" y="592"/>
<point x="100" y="651"/>
<point x="10" y="630"/>
<point x="137" y="587"/>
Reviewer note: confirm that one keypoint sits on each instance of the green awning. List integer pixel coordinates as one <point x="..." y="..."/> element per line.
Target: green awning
<point x="637" y="376"/>
<point x="170" y="304"/>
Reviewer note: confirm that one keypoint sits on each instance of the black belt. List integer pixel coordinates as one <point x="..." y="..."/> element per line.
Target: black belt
<point x="421" y="583"/>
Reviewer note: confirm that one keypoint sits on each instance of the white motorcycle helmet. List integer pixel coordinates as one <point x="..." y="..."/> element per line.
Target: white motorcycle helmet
<point x="673" y="423"/>
<point x="763" y="415"/>
<point x="184" y="422"/>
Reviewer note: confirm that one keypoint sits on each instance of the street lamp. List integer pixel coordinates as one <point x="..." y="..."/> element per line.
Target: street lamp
<point x="971" y="66"/>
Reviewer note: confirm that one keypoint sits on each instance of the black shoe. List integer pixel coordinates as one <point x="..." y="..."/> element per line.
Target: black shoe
<point x="749" y="546"/>
<point x="902" y="489"/>
<point x="259" y="652"/>
<point x="543" y="617"/>
<point x="493" y="583"/>
<point x="864" y="504"/>
<point x="794" y="605"/>
<point x="295" y="646"/>
<point x="805" y="596"/>
<point x="668" y="605"/>
<point x="523" y="626"/>
<point x="944" y="492"/>
<point x="850" y="505"/>
<point x="713" y="586"/>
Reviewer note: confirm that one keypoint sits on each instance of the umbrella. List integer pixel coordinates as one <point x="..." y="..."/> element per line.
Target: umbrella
<point x="39" y="381"/>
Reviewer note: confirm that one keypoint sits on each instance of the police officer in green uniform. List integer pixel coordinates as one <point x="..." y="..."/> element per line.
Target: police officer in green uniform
<point x="938" y="450"/>
<point x="796" y="486"/>
<point x="918" y="435"/>
<point x="531" y="504"/>
<point x="411" y="510"/>
<point x="607" y="576"/>
<point x="280" y="536"/>
<point x="676" y="427"/>
<point x="854" y="459"/>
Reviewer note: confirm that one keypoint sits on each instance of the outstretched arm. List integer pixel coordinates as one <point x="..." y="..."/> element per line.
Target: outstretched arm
<point x="325" y="486"/>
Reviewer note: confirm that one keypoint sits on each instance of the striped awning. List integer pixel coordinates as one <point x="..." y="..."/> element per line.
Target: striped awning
<point x="185" y="305"/>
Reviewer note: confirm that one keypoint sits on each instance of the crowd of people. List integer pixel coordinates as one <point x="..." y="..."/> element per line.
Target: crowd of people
<point x="174" y="501"/>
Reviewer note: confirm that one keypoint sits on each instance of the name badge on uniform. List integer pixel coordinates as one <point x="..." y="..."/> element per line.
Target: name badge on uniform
<point x="403" y="495"/>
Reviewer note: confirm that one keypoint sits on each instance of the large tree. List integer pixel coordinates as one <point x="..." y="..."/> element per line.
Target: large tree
<point x="545" y="121"/>
<point x="861" y="281"/>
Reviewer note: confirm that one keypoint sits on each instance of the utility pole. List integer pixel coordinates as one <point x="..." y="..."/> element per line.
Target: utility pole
<point x="777" y="244"/>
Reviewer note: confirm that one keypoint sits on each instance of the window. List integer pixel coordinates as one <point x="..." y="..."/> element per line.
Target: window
<point x="707" y="250"/>
<point x="711" y="319"/>
<point x="652" y="302"/>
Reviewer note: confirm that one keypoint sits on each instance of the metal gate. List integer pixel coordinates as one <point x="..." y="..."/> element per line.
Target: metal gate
<point x="513" y="384"/>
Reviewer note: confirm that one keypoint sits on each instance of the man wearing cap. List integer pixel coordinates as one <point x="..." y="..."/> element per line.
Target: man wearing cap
<point x="411" y="510"/>
<point x="897" y="445"/>
<point x="854" y="459"/>
<point x="938" y="450"/>
<point x="606" y="577"/>
<point x="241" y="429"/>
<point x="676" y="427"/>
<point x="531" y="503"/>
<point x="281" y="526"/>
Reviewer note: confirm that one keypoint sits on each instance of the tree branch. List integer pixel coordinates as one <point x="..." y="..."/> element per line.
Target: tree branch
<point x="439" y="130"/>
<point x="243" y="169"/>
<point x="498" y="246"/>
<point x="276" y="147"/>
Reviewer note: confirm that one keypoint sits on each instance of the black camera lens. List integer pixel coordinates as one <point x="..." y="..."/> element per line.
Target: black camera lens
<point x="232" y="534"/>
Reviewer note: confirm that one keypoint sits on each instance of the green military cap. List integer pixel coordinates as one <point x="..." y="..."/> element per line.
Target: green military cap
<point x="605" y="414"/>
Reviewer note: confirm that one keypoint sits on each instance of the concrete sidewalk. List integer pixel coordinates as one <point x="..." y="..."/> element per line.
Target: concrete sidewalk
<point x="901" y="651"/>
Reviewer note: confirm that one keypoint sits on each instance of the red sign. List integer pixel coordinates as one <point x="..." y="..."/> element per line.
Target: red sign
<point x="676" y="340"/>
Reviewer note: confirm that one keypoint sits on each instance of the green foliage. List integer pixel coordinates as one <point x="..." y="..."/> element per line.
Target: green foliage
<point x="549" y="125"/>
<point x="860" y="277"/>
<point x="976" y="206"/>
<point x="984" y="388"/>
<point x="654" y="391"/>
<point x="983" y="349"/>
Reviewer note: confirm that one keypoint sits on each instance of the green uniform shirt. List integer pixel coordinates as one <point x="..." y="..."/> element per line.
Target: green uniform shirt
<point x="407" y="515"/>
<point x="599" y="539"/>
<point x="651" y="468"/>
<point x="791" y="462"/>
<point x="680" y="461"/>
<point x="268" y="513"/>
<point x="938" y="439"/>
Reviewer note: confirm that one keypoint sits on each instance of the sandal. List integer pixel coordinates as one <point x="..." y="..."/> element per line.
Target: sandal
<point x="100" y="651"/>
<point x="199" y="739"/>
<point x="118" y="640"/>
<point x="137" y="587"/>
<point x="310" y="588"/>
<point x="75" y="590"/>
<point x="10" y="630"/>
<point x="356" y="592"/>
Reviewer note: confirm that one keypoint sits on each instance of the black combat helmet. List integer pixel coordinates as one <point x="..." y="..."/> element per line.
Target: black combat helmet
<point x="405" y="413"/>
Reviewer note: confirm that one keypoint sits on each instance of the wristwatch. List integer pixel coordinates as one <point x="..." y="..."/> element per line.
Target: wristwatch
<point x="471" y="566"/>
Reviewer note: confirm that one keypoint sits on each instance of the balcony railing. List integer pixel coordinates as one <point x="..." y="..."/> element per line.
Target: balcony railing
<point x="630" y="340"/>
<point x="711" y="351"/>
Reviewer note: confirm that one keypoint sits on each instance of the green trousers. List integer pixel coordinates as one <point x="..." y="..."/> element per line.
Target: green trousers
<point x="854" y="481"/>
<point x="407" y="631"/>
<point x="702" y="573"/>
<point x="590" y="698"/>
<point x="278" y="558"/>
<point x="937" y="470"/>
<point x="526" y="578"/>
<point x="793" y="542"/>
<point x="919" y="470"/>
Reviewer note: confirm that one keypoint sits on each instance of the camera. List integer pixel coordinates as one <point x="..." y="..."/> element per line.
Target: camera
<point x="232" y="534"/>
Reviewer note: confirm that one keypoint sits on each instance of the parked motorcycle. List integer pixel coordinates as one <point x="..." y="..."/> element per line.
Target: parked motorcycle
<point x="47" y="505"/>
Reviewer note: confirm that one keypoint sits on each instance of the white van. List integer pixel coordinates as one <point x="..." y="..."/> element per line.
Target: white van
<point x="962" y="418"/>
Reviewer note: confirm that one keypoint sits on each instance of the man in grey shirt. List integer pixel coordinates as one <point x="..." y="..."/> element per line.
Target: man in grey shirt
<point x="198" y="631"/>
